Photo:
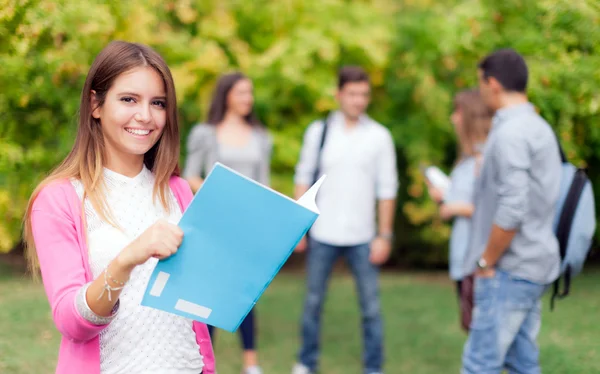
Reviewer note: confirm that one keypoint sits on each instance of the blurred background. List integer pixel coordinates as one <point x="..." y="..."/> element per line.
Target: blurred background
<point x="418" y="54"/>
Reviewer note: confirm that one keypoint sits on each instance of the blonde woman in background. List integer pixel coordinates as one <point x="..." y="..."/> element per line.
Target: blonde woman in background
<point x="471" y="120"/>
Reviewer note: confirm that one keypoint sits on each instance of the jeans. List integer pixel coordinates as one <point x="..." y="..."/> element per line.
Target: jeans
<point x="247" y="332"/>
<point x="320" y="260"/>
<point x="505" y="325"/>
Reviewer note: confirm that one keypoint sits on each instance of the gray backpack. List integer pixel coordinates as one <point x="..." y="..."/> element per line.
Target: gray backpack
<point x="574" y="224"/>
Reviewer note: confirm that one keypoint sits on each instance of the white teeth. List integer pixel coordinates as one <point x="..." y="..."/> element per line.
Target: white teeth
<point x="138" y="131"/>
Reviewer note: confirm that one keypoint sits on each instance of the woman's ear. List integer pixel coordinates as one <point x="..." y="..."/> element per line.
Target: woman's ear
<point x="95" y="105"/>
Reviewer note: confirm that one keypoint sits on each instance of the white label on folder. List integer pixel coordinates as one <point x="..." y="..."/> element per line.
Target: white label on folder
<point x="191" y="308"/>
<point x="159" y="284"/>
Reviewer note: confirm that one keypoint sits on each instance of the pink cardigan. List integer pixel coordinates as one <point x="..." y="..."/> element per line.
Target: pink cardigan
<point x="59" y="238"/>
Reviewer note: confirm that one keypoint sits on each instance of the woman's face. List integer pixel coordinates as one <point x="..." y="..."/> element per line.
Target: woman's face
<point x="240" y="98"/>
<point x="134" y="113"/>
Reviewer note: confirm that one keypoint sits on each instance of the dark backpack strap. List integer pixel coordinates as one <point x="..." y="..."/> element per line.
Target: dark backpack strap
<point x="317" y="172"/>
<point x="556" y="293"/>
<point x="563" y="156"/>
<point x="563" y="230"/>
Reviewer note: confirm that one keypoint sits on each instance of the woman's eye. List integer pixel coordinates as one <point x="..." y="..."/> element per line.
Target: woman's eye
<point x="128" y="99"/>
<point x="160" y="103"/>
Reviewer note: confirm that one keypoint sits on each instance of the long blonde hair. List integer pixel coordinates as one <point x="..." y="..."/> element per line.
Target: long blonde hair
<point x="86" y="159"/>
<point x="476" y="122"/>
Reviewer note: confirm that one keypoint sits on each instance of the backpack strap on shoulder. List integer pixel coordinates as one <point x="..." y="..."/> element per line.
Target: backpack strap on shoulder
<point x="317" y="172"/>
<point x="564" y="229"/>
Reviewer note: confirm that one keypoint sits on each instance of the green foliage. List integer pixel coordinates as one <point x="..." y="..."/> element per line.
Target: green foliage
<point x="435" y="54"/>
<point x="419" y="53"/>
<point x="291" y="50"/>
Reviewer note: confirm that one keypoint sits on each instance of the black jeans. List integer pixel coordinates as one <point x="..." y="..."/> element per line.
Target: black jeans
<point x="247" y="332"/>
<point x="458" y="288"/>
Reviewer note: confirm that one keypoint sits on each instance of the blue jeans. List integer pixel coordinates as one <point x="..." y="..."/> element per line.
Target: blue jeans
<point x="505" y="325"/>
<point x="320" y="260"/>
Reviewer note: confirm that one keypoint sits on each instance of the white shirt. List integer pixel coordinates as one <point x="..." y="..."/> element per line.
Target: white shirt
<point x="140" y="339"/>
<point x="360" y="164"/>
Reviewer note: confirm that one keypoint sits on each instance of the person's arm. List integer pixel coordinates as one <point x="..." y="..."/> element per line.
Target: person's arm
<point x="435" y="193"/>
<point x="513" y="161"/>
<point x="308" y="160"/>
<point x="195" y="183"/>
<point x="306" y="167"/>
<point x="299" y="190"/>
<point x="264" y="171"/>
<point x="385" y="217"/>
<point x="63" y="274"/>
<point x="387" y="189"/>
<point x="458" y="200"/>
<point x="82" y="309"/>
<point x="456" y="209"/>
<point x="498" y="242"/>
<point x="199" y="150"/>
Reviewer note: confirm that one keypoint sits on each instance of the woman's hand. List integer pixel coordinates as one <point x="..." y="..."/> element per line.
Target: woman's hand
<point x="302" y="245"/>
<point x="436" y="194"/>
<point x="446" y="212"/>
<point x="160" y="240"/>
<point x="456" y="209"/>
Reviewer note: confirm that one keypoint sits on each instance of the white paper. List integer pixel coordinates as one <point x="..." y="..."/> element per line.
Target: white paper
<point x="309" y="199"/>
<point x="437" y="178"/>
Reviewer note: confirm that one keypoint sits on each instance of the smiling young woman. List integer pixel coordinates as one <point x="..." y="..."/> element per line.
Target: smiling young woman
<point x="97" y="226"/>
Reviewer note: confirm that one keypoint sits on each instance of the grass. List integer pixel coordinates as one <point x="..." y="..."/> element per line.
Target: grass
<point x="422" y="335"/>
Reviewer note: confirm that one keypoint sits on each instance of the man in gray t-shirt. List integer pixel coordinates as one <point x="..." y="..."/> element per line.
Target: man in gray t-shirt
<point x="513" y="251"/>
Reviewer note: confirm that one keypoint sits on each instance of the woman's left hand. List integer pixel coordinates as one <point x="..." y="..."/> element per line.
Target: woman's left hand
<point x="436" y="194"/>
<point x="445" y="212"/>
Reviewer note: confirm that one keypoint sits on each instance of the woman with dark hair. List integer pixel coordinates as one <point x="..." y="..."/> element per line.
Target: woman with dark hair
<point x="233" y="136"/>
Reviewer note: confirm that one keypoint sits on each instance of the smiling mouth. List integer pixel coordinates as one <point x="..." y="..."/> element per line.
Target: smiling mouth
<point x="138" y="132"/>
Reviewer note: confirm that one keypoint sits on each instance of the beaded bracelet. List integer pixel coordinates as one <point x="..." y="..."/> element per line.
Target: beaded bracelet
<point x="113" y="279"/>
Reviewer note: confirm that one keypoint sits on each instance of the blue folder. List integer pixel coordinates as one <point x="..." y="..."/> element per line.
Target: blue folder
<point x="237" y="235"/>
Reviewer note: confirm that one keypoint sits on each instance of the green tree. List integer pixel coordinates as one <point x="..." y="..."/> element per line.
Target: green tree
<point x="435" y="54"/>
<point x="290" y="49"/>
<point x="418" y="53"/>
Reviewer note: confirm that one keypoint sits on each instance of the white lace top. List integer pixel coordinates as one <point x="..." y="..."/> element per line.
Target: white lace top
<point x="139" y="339"/>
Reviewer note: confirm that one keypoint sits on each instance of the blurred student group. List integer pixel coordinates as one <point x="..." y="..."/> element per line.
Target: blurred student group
<point x="501" y="197"/>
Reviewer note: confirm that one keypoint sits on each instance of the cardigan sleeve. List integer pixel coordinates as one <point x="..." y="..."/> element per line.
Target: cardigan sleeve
<point x="61" y="263"/>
